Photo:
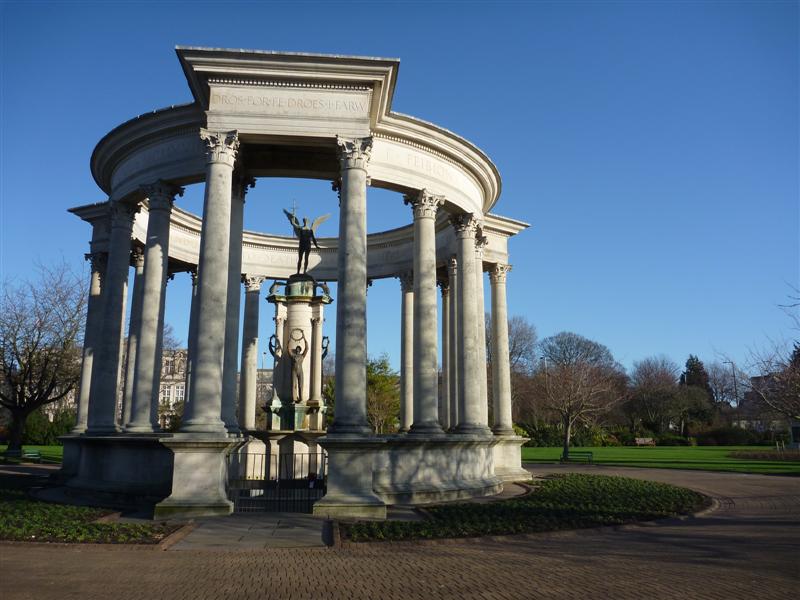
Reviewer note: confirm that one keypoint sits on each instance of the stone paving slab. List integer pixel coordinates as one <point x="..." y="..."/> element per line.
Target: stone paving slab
<point x="254" y="530"/>
<point x="747" y="549"/>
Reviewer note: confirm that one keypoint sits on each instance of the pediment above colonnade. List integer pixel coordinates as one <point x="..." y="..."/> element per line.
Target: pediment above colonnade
<point x="288" y="109"/>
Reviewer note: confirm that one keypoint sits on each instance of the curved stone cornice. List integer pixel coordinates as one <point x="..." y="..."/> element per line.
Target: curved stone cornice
<point x="408" y="154"/>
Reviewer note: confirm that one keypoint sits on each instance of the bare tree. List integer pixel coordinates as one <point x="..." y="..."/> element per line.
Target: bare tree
<point x="170" y="341"/>
<point x="522" y="339"/>
<point x="776" y="383"/>
<point x="41" y="326"/>
<point x="653" y="393"/>
<point x="581" y="380"/>
<point x="777" y="380"/>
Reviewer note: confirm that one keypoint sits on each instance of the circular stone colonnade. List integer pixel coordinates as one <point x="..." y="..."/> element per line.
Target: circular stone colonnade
<point x="263" y="114"/>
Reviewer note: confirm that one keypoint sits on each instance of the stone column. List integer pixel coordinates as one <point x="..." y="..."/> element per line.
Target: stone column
<point x="406" y="351"/>
<point x="121" y="359"/>
<point x="202" y="414"/>
<point x="501" y="368"/>
<point x="134" y="326"/>
<point x="144" y="409"/>
<point x="472" y="410"/>
<point x="350" y="415"/>
<point x="191" y="352"/>
<point x="315" y="397"/>
<point x="453" y="346"/>
<point x="230" y="365"/>
<point x="248" y="383"/>
<point x="91" y="337"/>
<point x="444" y="399"/>
<point x="480" y="244"/>
<point x="426" y="355"/>
<point x="105" y="369"/>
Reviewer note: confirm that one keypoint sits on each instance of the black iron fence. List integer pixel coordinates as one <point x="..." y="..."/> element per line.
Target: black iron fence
<point x="287" y="482"/>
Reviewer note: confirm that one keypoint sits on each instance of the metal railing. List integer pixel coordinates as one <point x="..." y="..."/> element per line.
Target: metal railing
<point x="286" y="482"/>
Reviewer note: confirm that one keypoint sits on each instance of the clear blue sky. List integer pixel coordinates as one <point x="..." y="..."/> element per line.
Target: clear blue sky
<point x="652" y="146"/>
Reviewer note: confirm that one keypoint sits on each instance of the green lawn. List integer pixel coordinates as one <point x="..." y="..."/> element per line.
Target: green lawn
<point x="705" y="458"/>
<point x="51" y="454"/>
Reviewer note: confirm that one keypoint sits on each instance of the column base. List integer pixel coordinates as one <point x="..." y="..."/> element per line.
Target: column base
<point x="473" y="429"/>
<point x="503" y="431"/>
<point x="108" y="430"/>
<point x="426" y="428"/>
<point x="134" y="428"/>
<point x="216" y="427"/>
<point x="351" y="461"/>
<point x="357" y="430"/>
<point x="508" y="458"/>
<point x="198" y="477"/>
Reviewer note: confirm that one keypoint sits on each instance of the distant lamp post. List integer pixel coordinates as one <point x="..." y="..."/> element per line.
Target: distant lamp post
<point x="735" y="390"/>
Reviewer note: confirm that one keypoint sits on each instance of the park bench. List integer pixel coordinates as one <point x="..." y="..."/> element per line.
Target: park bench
<point x="32" y="455"/>
<point x="580" y="455"/>
<point x="645" y="442"/>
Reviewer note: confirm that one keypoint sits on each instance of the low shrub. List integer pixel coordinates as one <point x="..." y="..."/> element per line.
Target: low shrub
<point x="561" y="502"/>
<point x="726" y="436"/>
<point x="784" y="455"/>
<point x="670" y="439"/>
<point x="40" y="431"/>
<point x="23" y="519"/>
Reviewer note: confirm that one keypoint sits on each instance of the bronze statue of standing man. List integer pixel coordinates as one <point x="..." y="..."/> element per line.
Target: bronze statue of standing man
<point x="305" y="235"/>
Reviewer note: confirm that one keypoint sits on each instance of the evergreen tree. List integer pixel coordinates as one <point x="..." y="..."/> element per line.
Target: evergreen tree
<point x="696" y="375"/>
<point x="696" y="395"/>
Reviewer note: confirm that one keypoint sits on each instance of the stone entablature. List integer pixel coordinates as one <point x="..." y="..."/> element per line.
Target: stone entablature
<point x="308" y="102"/>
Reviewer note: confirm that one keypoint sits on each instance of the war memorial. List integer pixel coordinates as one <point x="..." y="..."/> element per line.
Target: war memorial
<point x="263" y="114"/>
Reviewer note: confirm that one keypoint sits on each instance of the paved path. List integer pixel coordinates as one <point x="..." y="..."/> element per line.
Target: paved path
<point x="748" y="548"/>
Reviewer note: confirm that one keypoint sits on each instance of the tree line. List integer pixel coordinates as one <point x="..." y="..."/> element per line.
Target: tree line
<point x="567" y="382"/>
<point x="564" y="387"/>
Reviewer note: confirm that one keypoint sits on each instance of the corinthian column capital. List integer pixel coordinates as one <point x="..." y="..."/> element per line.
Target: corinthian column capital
<point x="465" y="224"/>
<point x="481" y="241"/>
<point x="221" y="146"/>
<point x="98" y="261"/>
<point x="498" y="272"/>
<point x="242" y="183"/>
<point x="452" y="268"/>
<point x="406" y="281"/>
<point x="252" y="283"/>
<point x="161" y="194"/>
<point x="137" y="257"/>
<point x="424" y="204"/>
<point x="122" y="214"/>
<point x="354" y="153"/>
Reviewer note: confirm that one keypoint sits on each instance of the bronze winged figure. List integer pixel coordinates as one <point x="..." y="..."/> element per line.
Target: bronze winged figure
<point x="305" y="236"/>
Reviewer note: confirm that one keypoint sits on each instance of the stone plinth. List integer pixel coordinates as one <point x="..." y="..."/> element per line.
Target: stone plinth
<point x="350" y="465"/>
<point x="508" y="458"/>
<point x="198" y="477"/>
<point x="416" y="470"/>
<point x="134" y="466"/>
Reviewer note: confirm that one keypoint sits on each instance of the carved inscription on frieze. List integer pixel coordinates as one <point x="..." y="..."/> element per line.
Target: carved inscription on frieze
<point x="291" y="102"/>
